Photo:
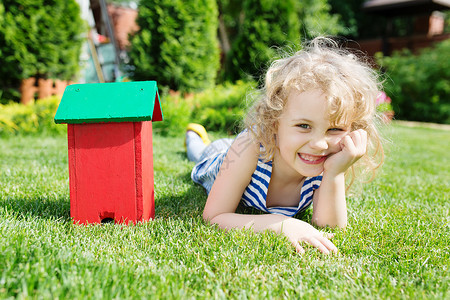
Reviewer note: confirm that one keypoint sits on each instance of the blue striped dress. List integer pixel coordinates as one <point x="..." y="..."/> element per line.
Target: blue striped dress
<point x="205" y="172"/>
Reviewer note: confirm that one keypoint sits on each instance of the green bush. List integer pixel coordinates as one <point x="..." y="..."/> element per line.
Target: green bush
<point x="419" y="85"/>
<point x="219" y="109"/>
<point x="222" y="108"/>
<point x="176" y="44"/>
<point x="38" y="38"/>
<point x="176" y="111"/>
<point x="30" y="119"/>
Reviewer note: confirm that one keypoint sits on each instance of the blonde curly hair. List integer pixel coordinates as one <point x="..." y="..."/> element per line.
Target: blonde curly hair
<point x="350" y="86"/>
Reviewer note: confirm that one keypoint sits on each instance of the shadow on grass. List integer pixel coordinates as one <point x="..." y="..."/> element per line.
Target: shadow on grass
<point x="186" y="203"/>
<point x="186" y="178"/>
<point x="189" y="204"/>
<point x="58" y="209"/>
<point x="172" y="204"/>
<point x="182" y="155"/>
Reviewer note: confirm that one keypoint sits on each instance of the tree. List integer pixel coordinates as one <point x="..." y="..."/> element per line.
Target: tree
<point x="177" y="44"/>
<point x="266" y="24"/>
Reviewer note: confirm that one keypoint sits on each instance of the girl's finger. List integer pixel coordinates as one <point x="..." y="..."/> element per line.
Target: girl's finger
<point x="360" y="139"/>
<point x="299" y="248"/>
<point x="356" y="137"/>
<point x="364" y="139"/>
<point x="349" y="144"/>
<point x="296" y="245"/>
<point x="327" y="243"/>
<point x="315" y="242"/>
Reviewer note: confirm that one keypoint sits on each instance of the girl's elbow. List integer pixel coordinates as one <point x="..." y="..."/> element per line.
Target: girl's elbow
<point x="213" y="217"/>
<point x="208" y="215"/>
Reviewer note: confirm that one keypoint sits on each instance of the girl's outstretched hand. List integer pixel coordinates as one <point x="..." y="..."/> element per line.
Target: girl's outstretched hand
<point x="353" y="147"/>
<point x="298" y="231"/>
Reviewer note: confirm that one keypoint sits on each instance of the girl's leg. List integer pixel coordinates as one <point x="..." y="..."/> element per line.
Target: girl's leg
<point x="194" y="146"/>
<point x="218" y="146"/>
<point x="198" y="145"/>
<point x="197" y="150"/>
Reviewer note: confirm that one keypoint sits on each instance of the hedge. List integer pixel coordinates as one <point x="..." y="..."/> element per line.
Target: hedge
<point x="218" y="109"/>
<point x="30" y="119"/>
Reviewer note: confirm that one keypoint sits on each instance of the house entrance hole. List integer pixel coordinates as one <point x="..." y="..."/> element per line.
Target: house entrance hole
<point x="107" y="221"/>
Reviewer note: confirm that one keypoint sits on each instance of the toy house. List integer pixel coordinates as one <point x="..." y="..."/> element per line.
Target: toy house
<point x="109" y="129"/>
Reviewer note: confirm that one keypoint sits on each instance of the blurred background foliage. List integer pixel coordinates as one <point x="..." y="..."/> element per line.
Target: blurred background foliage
<point x="217" y="48"/>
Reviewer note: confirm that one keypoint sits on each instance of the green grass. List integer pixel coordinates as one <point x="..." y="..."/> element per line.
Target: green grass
<point x="396" y="244"/>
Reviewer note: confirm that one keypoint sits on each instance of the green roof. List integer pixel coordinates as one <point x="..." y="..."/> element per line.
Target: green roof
<point x="110" y="102"/>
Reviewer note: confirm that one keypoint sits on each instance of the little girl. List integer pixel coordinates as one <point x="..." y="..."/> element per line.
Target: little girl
<point x="314" y="120"/>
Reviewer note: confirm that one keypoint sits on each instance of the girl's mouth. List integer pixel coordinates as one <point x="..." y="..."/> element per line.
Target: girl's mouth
<point x="312" y="159"/>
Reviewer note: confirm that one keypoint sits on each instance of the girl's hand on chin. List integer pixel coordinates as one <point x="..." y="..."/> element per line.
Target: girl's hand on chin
<point x="353" y="147"/>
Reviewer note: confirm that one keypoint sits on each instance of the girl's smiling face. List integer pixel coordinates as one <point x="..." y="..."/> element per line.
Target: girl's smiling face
<point x="305" y="135"/>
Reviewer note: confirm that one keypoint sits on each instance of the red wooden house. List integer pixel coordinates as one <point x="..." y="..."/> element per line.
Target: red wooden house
<point x="110" y="150"/>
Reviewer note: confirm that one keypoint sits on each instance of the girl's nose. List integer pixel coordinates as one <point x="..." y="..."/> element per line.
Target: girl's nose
<point x="319" y="143"/>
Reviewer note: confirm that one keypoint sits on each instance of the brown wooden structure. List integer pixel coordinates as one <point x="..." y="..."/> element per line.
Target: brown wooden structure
<point x="428" y="24"/>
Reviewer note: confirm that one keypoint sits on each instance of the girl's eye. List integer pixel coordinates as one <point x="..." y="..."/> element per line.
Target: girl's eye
<point x="303" y="126"/>
<point x="337" y="129"/>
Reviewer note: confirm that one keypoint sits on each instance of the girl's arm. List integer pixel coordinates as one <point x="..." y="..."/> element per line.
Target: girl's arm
<point x="329" y="204"/>
<point x="234" y="176"/>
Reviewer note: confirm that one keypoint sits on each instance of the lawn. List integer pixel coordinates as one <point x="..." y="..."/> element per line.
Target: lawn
<point x="396" y="244"/>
